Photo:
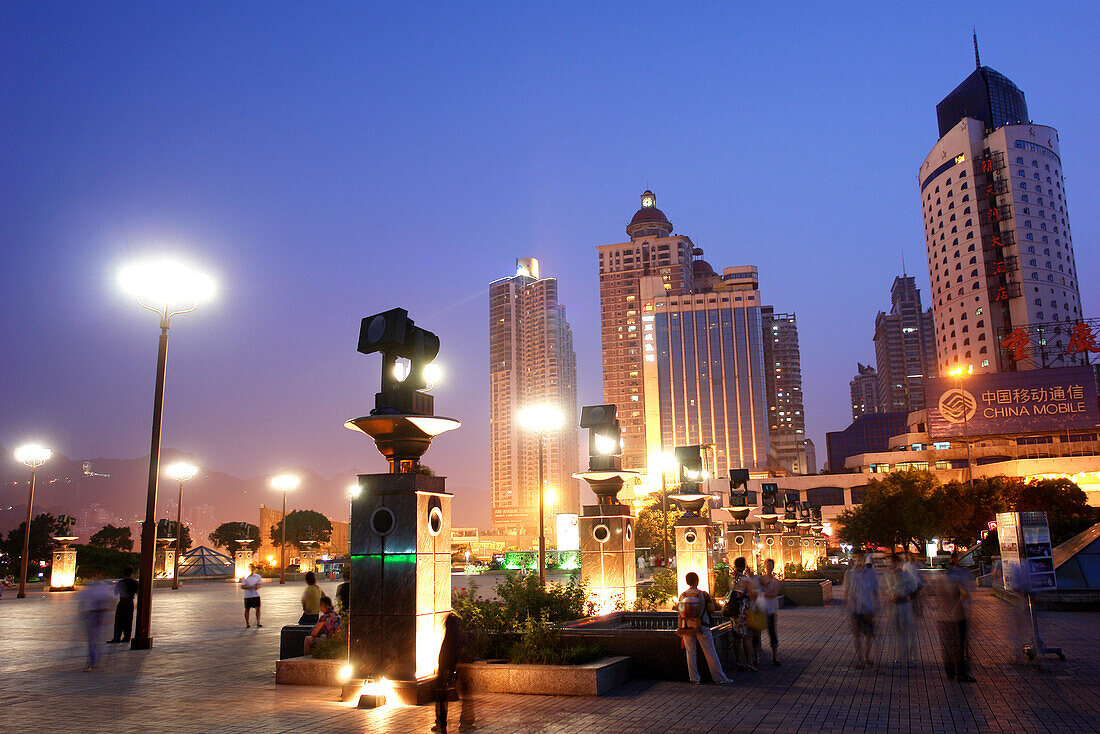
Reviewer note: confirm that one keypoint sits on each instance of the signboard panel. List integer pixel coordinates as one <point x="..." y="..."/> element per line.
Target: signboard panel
<point x="1000" y="403"/>
<point x="1026" y="555"/>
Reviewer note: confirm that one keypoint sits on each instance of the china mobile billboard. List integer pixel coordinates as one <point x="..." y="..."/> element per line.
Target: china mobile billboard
<point x="1032" y="401"/>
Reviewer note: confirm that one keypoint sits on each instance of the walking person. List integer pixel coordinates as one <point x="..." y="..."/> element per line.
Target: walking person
<point x="911" y="567"/>
<point x="126" y="589"/>
<point x="860" y="599"/>
<point x="696" y="614"/>
<point x="742" y="592"/>
<point x="449" y="678"/>
<point x="955" y="627"/>
<point x="311" y="600"/>
<point x="903" y="587"/>
<point x="94" y="605"/>
<point x="251" y="585"/>
<point x="769" y="587"/>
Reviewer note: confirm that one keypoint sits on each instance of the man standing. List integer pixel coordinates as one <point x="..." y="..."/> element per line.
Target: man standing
<point x="903" y="587"/>
<point x="693" y="624"/>
<point x="251" y="585"/>
<point x="126" y="589"/>
<point x="860" y="598"/>
<point x="959" y="588"/>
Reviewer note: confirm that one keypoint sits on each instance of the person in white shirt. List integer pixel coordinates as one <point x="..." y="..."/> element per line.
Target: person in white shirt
<point x="251" y="585"/>
<point x="769" y="587"/>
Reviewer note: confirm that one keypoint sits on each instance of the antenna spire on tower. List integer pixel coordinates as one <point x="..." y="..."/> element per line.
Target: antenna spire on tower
<point x="903" y="263"/>
<point x="977" y="58"/>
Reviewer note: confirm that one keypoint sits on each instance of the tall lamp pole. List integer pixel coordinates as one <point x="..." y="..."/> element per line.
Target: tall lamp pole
<point x="540" y="420"/>
<point x="181" y="471"/>
<point x="33" y="456"/>
<point x="167" y="289"/>
<point x="284" y="483"/>
<point x="958" y="373"/>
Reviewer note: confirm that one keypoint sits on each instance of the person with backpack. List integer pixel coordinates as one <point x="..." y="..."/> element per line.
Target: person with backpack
<point x="696" y="614"/>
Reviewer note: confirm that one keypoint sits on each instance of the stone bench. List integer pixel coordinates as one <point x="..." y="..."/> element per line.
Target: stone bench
<point x="807" y="592"/>
<point x="292" y="640"/>
<point x="592" y="679"/>
<point x="306" y="671"/>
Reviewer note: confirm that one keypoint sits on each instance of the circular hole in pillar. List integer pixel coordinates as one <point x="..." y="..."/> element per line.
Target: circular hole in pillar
<point x="601" y="533"/>
<point x="629" y="532"/>
<point x="771" y="541"/>
<point x="383" y="521"/>
<point x="690" y="536"/>
<point x="435" y="521"/>
<point x="738" y="540"/>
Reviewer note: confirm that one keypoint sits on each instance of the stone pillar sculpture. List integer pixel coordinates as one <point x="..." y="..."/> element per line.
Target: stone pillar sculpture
<point x="771" y="543"/>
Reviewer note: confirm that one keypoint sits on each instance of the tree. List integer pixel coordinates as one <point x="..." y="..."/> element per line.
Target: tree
<point x="167" y="529"/>
<point x="114" y="538"/>
<point x="97" y="561"/>
<point x="902" y="508"/>
<point x="42" y="544"/>
<point x="1066" y="505"/>
<point x="228" y="533"/>
<point x="303" y="525"/>
<point x="973" y="505"/>
<point x="647" y="528"/>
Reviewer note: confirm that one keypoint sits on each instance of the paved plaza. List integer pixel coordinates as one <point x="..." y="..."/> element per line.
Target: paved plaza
<point x="207" y="673"/>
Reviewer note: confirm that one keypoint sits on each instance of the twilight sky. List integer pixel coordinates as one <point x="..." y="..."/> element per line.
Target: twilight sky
<point x="329" y="161"/>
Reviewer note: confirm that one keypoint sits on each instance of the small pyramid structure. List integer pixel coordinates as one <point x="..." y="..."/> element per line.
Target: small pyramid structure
<point x="204" y="561"/>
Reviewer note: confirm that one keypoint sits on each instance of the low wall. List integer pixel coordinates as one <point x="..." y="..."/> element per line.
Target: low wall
<point x="592" y="679"/>
<point x="307" y="671"/>
<point x="807" y="592"/>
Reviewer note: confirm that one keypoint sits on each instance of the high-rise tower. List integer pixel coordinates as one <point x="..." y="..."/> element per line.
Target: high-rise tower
<point x="783" y="380"/>
<point x="864" y="388"/>
<point x="1000" y="255"/>
<point x="905" y="349"/>
<point x="531" y="361"/>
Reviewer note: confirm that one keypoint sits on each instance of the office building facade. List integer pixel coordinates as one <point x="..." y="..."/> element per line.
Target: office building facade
<point x="996" y="220"/>
<point x="531" y="362"/>
<point x="791" y="450"/>
<point x="905" y="349"/>
<point x="864" y="389"/>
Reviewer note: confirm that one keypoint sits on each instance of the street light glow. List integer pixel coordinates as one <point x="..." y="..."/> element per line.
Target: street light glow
<point x="182" y="471"/>
<point x="605" y="445"/>
<point x="540" y="418"/>
<point x="354" y="490"/>
<point x="551" y="497"/>
<point x="285" y="482"/>
<point x="33" y="455"/>
<point x="162" y="284"/>
<point x="961" y="370"/>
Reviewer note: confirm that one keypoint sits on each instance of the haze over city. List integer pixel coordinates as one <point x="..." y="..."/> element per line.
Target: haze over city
<point x="330" y="164"/>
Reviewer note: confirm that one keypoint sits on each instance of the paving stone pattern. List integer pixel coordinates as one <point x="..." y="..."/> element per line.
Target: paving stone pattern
<point x="207" y="673"/>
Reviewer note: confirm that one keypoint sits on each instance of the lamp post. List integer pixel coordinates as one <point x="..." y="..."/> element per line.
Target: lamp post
<point x="167" y="289"/>
<point x="181" y="471"/>
<point x="669" y="463"/>
<point x="958" y="373"/>
<point x="33" y="456"/>
<point x="284" y="483"/>
<point x="541" y="420"/>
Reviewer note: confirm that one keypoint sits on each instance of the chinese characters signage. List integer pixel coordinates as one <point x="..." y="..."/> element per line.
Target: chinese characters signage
<point x="1012" y="402"/>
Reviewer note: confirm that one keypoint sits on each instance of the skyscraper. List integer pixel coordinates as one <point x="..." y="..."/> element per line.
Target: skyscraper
<point x="1000" y="255"/>
<point x="682" y="350"/>
<point x="905" y="349"/>
<point x="783" y="383"/>
<point x="531" y="361"/>
<point x="864" y="387"/>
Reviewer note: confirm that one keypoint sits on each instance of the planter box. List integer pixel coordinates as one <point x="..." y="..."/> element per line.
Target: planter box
<point x="593" y="679"/>
<point x="292" y="640"/>
<point x="808" y="592"/>
<point x="303" y="671"/>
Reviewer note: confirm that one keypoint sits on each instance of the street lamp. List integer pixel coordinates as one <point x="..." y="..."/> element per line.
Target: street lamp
<point x="167" y="289"/>
<point x="33" y="456"/>
<point x="284" y="483"/>
<point x="958" y="373"/>
<point x="541" y="419"/>
<point x="668" y="463"/>
<point x="181" y="471"/>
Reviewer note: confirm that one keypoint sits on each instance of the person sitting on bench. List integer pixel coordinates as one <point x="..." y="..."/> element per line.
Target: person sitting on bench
<point x="327" y="626"/>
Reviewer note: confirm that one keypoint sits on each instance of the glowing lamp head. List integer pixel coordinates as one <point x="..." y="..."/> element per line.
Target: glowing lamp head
<point x="164" y="284"/>
<point x="285" y="482"/>
<point x="550" y="497"/>
<point x="33" y="455"/>
<point x="540" y="418"/>
<point x="182" y="471"/>
<point x="353" y="491"/>
<point x="433" y="375"/>
<point x="961" y="370"/>
<point x="606" y="445"/>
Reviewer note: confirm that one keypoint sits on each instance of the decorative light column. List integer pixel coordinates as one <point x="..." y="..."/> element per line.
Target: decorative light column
<point x="308" y="560"/>
<point x="181" y="471"/>
<point x="167" y="289"/>
<point x="63" y="570"/>
<point x="541" y="420"/>
<point x="693" y="534"/>
<point x="770" y="538"/>
<point x="242" y="559"/>
<point x="33" y="456"/>
<point x="740" y="538"/>
<point x="284" y="483"/>
<point x="606" y="529"/>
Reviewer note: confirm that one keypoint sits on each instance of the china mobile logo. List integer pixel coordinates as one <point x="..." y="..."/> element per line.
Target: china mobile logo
<point x="957" y="405"/>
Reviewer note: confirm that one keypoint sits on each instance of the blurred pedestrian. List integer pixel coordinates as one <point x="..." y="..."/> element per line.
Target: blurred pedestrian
<point x="903" y="587"/>
<point x="343" y="592"/>
<point x="955" y="625"/>
<point x="693" y="623"/>
<point x="861" y="600"/>
<point x="251" y="585"/>
<point x="450" y="679"/>
<point x="911" y="567"/>
<point x="126" y="589"/>
<point x="742" y="593"/>
<point x="94" y="603"/>
<point x="311" y="600"/>
<point x="769" y="587"/>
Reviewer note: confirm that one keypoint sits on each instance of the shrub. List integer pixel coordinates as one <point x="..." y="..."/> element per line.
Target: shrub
<point x="541" y="644"/>
<point x="721" y="581"/>
<point x="659" y="592"/>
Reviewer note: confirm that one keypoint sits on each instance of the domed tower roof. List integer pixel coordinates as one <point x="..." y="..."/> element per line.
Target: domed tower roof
<point x="649" y="221"/>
